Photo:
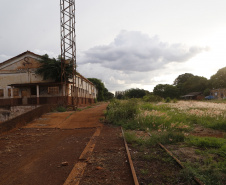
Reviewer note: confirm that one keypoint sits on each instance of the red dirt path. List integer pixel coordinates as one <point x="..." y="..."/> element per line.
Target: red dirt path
<point x="33" y="155"/>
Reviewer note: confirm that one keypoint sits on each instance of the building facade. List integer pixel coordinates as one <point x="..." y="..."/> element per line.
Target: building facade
<point x="218" y="93"/>
<point x="20" y="85"/>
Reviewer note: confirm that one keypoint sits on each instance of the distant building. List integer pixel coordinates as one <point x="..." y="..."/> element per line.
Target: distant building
<point x="20" y="85"/>
<point x="193" y="96"/>
<point x="218" y="93"/>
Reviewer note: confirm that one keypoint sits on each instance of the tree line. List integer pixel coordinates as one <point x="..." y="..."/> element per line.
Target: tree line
<point x="187" y="83"/>
<point x="182" y="85"/>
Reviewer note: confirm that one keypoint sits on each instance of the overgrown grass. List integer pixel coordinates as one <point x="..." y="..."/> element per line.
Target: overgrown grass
<point x="168" y="125"/>
<point x="208" y="174"/>
<point x="133" y="115"/>
<point x="164" y="138"/>
<point x="212" y="168"/>
<point x="206" y="142"/>
<point x="122" y="112"/>
<point x="177" y="116"/>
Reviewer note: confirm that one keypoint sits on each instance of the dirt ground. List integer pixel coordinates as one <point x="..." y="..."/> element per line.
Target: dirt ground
<point x="108" y="164"/>
<point x="47" y="150"/>
<point x="207" y="132"/>
<point x="154" y="166"/>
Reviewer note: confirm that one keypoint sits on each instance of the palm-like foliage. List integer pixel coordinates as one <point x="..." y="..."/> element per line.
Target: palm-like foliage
<point x="51" y="69"/>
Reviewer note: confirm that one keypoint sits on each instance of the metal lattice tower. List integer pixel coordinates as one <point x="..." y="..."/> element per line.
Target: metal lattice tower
<point x="68" y="42"/>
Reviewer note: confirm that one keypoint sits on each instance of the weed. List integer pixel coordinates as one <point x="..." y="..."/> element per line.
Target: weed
<point x="132" y="138"/>
<point x="206" y="142"/>
<point x="168" y="100"/>
<point x="187" y="175"/>
<point x="175" y="100"/>
<point x="144" y="171"/>
<point x="167" y="126"/>
<point x="152" y="98"/>
<point x="61" y="109"/>
<point x="166" y="138"/>
<point x="101" y="119"/>
<point x="120" y="112"/>
<point x="207" y="175"/>
<point x="88" y="107"/>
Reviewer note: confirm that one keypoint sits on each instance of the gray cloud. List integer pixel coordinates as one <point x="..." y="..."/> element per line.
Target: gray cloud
<point x="4" y="57"/>
<point x="135" y="51"/>
<point x="116" y="80"/>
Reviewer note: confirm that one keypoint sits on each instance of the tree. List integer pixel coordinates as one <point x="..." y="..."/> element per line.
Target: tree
<point x="181" y="80"/>
<point x="108" y="95"/>
<point x="206" y="92"/>
<point x="103" y="93"/>
<point x="195" y="84"/>
<point x="51" y="68"/>
<point x="166" y="90"/>
<point x="219" y="79"/>
<point x="120" y="95"/>
<point x="135" y="93"/>
<point x="100" y="87"/>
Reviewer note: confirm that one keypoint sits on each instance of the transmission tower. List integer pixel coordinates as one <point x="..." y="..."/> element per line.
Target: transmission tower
<point x="68" y="39"/>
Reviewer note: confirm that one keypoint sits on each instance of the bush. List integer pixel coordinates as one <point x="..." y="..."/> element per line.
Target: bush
<point x="167" y="100"/>
<point x="206" y="142"/>
<point x="119" y="112"/>
<point x="61" y="109"/>
<point x="152" y="98"/>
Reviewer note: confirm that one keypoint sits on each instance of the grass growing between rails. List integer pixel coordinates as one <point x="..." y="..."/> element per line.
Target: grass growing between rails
<point x="173" y="124"/>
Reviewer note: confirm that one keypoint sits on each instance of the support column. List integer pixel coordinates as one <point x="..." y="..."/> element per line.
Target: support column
<point x="11" y="98"/>
<point x="64" y="90"/>
<point x="11" y="92"/>
<point x="37" y="92"/>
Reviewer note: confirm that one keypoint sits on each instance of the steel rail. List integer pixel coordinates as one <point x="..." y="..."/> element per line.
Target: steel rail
<point x="130" y="160"/>
<point x="199" y="182"/>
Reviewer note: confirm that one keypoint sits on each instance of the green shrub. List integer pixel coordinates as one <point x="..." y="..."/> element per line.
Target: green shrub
<point x="152" y="98"/>
<point x="132" y="138"/>
<point x="95" y="100"/>
<point x="61" y="109"/>
<point x="168" y="100"/>
<point x="119" y="112"/>
<point x="206" y="142"/>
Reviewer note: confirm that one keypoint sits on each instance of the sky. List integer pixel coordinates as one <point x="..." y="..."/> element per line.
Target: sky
<point x="125" y="43"/>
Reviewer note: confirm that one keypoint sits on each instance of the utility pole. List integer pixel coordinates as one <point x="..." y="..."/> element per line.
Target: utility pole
<point x="68" y="41"/>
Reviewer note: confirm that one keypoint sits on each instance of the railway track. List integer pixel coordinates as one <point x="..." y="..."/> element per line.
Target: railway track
<point x="136" y="182"/>
<point x="99" y="154"/>
<point x="79" y="175"/>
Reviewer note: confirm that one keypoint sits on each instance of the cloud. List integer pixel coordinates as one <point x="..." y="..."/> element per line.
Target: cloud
<point x="115" y="80"/>
<point x="4" y="57"/>
<point x="135" y="51"/>
<point x="43" y="52"/>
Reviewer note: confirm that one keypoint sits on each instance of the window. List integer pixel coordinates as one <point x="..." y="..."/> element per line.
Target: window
<point x="1" y="92"/>
<point x="15" y="92"/>
<point x="53" y="90"/>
